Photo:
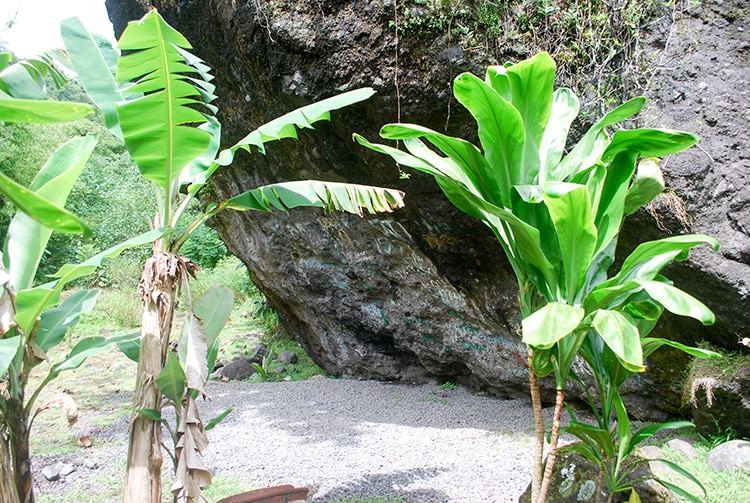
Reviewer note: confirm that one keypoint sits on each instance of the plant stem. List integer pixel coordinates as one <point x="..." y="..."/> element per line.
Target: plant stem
<point x="536" y="400"/>
<point x="559" y="400"/>
<point x="600" y="480"/>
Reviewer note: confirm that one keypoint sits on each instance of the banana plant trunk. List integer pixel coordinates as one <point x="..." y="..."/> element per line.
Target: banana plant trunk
<point x="16" y="423"/>
<point x="8" y="490"/>
<point x="158" y="291"/>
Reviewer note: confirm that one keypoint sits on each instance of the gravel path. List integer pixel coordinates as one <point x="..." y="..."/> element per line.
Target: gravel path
<point x="342" y="439"/>
<point x="345" y="438"/>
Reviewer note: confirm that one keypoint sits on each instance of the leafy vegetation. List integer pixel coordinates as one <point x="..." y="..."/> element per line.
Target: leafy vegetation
<point x="160" y="101"/>
<point x="557" y="216"/>
<point x="601" y="40"/>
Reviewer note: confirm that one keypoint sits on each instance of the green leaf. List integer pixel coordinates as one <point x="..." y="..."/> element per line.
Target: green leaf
<point x="590" y="147"/>
<point x="648" y="142"/>
<point x="532" y="83"/>
<point x="647" y="185"/>
<point x="8" y="350"/>
<point x="625" y="448"/>
<point x="56" y="322"/>
<point x="565" y="108"/>
<point x="152" y="414"/>
<point x="286" y="126"/>
<point x="634" y="498"/>
<point x="85" y="348"/>
<point x="210" y="425"/>
<point x="27" y="239"/>
<point x="570" y="209"/>
<point x="171" y="380"/>
<point x="132" y="348"/>
<point x="159" y="127"/>
<point x="649" y="258"/>
<point x="599" y="436"/>
<point x="94" y="59"/>
<point x="214" y="309"/>
<point x="501" y="131"/>
<point x="611" y="200"/>
<point x="678" y="490"/>
<point x="619" y="332"/>
<point x="551" y="323"/>
<point x="678" y="302"/>
<point x="69" y="272"/>
<point x="347" y="197"/>
<point x="30" y="303"/>
<point x="42" y="211"/>
<point x="472" y="168"/>
<point x="651" y="344"/>
<point x="649" y="431"/>
<point x="42" y="112"/>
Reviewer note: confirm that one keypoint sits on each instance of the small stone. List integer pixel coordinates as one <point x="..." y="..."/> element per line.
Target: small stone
<point x="288" y="357"/>
<point x="683" y="447"/>
<point x="279" y="370"/>
<point x="651" y="452"/>
<point x="91" y="464"/>
<point x="51" y="473"/>
<point x="288" y="378"/>
<point x="66" y="469"/>
<point x="729" y="456"/>
<point x="291" y="368"/>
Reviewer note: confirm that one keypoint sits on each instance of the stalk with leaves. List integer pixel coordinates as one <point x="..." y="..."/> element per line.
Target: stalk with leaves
<point x="558" y="215"/>
<point x="160" y="100"/>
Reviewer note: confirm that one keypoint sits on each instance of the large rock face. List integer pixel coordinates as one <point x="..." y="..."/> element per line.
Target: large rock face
<point x="426" y="290"/>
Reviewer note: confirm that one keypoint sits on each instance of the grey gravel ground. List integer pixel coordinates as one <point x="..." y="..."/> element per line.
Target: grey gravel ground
<point x="342" y="439"/>
<point x="345" y="438"/>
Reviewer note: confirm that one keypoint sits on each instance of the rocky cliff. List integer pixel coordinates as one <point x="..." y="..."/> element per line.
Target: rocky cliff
<point x="426" y="292"/>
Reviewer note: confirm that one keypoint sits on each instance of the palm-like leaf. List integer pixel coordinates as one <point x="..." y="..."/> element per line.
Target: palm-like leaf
<point x="159" y="126"/>
<point x="99" y="59"/>
<point x="347" y="197"/>
<point x="26" y="238"/>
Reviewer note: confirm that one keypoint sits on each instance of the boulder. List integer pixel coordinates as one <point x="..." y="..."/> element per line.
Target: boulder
<point x="684" y="447"/>
<point x="719" y="392"/>
<point x="729" y="456"/>
<point x="426" y="292"/>
<point x="574" y="480"/>
<point x="288" y="357"/>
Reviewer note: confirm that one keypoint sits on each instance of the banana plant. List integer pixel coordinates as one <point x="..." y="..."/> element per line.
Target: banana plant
<point x="557" y="216"/>
<point x="33" y="321"/>
<point x="160" y="101"/>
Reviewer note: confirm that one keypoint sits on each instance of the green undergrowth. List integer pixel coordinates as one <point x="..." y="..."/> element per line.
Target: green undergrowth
<point x="721" y="487"/>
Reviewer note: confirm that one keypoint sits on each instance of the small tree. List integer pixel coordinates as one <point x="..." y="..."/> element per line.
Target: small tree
<point x="558" y="217"/>
<point x="165" y="114"/>
<point x="31" y="321"/>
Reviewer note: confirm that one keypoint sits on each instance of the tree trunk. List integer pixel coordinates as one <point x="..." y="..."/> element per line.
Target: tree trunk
<point x="552" y="455"/>
<point x="536" y="400"/>
<point x="18" y="437"/>
<point x="158" y="288"/>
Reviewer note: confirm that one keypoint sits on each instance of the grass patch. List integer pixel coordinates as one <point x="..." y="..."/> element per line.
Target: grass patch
<point x="225" y="485"/>
<point x="721" y="487"/>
